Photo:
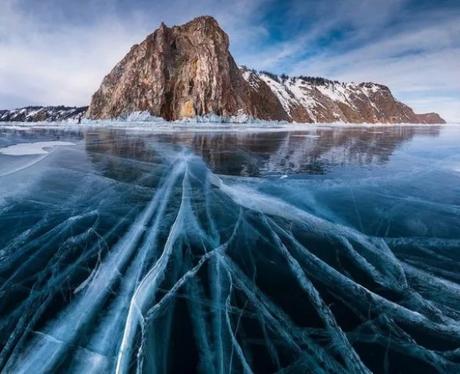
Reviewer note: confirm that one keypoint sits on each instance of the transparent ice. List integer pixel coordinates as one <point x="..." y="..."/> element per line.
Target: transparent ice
<point x="328" y="251"/>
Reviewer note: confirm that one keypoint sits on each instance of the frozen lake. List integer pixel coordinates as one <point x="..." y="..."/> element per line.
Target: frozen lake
<point x="325" y="250"/>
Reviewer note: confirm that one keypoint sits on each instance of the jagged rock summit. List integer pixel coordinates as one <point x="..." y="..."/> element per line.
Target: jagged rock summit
<point x="186" y="71"/>
<point x="179" y="72"/>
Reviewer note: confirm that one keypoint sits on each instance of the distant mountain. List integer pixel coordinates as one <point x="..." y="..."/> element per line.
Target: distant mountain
<point x="186" y="71"/>
<point x="41" y="113"/>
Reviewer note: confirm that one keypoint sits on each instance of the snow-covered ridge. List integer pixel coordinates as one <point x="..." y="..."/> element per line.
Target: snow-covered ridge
<point x="318" y="96"/>
<point x="314" y="99"/>
<point x="40" y="113"/>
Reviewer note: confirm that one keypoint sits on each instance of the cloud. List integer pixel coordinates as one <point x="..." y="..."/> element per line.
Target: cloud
<point x="62" y="64"/>
<point x="413" y="50"/>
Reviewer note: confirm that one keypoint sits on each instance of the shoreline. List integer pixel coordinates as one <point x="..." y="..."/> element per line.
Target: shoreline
<point x="188" y="126"/>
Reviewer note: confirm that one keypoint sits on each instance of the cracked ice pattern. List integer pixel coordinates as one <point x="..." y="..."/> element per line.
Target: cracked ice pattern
<point x="152" y="254"/>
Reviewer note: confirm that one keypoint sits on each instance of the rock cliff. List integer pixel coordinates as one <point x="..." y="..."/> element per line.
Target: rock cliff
<point x="180" y="72"/>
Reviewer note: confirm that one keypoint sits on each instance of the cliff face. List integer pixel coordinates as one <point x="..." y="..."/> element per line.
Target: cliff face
<point x="181" y="72"/>
<point x="187" y="71"/>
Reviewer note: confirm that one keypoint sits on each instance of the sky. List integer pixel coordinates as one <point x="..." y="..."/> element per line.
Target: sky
<point x="56" y="52"/>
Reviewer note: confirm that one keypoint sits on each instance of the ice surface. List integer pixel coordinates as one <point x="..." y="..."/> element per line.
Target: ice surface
<point x="327" y="251"/>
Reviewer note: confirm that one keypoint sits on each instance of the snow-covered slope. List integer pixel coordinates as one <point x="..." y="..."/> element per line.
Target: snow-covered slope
<point x="308" y="99"/>
<point x="39" y="113"/>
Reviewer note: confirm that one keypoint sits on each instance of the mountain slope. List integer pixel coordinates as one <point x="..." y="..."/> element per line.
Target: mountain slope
<point x="41" y="113"/>
<point x="307" y="99"/>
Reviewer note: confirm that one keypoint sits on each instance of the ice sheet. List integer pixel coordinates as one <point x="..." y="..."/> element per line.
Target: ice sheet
<point x="154" y="253"/>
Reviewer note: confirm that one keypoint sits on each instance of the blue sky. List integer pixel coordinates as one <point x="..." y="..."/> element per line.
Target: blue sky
<point x="58" y="51"/>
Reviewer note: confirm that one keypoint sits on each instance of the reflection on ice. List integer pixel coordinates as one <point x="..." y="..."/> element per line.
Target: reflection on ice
<point x="261" y="154"/>
<point x="162" y="261"/>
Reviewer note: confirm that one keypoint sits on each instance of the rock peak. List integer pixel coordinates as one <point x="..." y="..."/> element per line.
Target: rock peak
<point x="179" y="72"/>
<point x="204" y="20"/>
<point x="196" y="22"/>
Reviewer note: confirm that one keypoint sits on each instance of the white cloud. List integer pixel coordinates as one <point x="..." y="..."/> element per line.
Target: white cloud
<point x="58" y="65"/>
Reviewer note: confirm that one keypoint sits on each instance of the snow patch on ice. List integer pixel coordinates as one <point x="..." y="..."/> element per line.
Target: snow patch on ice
<point x="27" y="149"/>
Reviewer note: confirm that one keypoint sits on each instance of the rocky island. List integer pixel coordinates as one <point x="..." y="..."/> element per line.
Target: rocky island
<point x="187" y="71"/>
